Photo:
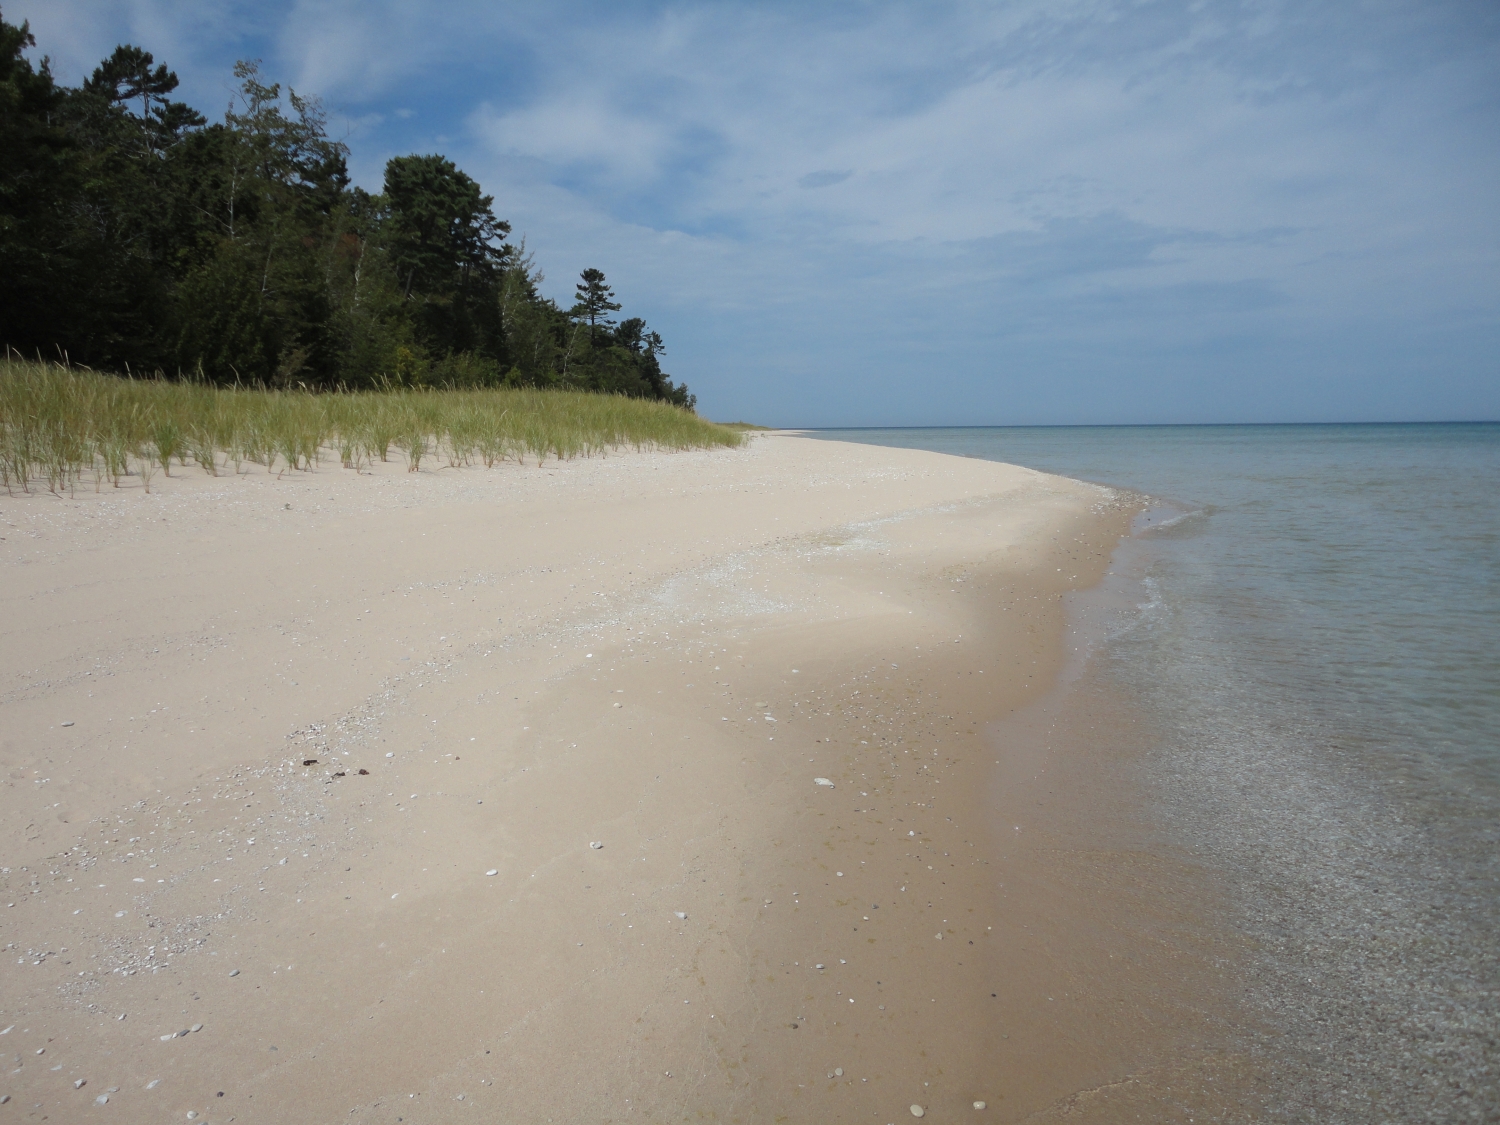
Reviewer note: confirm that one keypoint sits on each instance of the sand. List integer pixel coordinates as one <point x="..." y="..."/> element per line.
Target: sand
<point x="491" y="795"/>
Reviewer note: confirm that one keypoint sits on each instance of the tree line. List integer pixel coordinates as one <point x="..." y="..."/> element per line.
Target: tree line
<point x="137" y="236"/>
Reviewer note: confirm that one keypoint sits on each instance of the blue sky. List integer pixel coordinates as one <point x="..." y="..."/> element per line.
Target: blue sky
<point x="1070" y="211"/>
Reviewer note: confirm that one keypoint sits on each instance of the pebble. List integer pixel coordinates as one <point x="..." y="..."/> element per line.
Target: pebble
<point x="938" y="936"/>
<point x="823" y="781"/>
<point x="681" y="915"/>
<point x="102" y="1099"/>
<point x="4" y="1098"/>
<point x="153" y="1084"/>
<point x="596" y="844"/>
<point x="978" y="1105"/>
<point x="80" y="1083"/>
<point x="193" y="1113"/>
<point x="197" y="1027"/>
<point x="234" y="972"/>
<point x="838" y="1072"/>
<point x="492" y="871"/>
<point x="918" y="1111"/>
<point x="68" y="723"/>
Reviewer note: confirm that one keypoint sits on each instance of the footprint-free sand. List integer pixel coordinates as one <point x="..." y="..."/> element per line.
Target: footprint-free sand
<point x="494" y="795"/>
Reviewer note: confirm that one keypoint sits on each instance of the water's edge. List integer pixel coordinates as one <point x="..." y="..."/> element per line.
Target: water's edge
<point x="1321" y="713"/>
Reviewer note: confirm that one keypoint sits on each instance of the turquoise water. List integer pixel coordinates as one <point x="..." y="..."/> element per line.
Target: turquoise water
<point x="1318" y="636"/>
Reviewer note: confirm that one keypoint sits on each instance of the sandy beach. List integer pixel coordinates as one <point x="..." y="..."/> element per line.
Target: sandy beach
<point x="727" y="786"/>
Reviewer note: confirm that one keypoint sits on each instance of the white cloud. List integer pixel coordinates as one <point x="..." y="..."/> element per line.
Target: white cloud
<point x="578" y="131"/>
<point x="834" y="186"/>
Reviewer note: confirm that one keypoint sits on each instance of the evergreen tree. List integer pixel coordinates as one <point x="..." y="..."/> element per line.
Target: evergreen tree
<point x="134" y="234"/>
<point x="37" y="177"/>
<point x="594" y="301"/>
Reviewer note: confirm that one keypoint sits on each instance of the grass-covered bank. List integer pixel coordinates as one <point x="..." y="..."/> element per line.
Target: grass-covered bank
<point x="63" y="428"/>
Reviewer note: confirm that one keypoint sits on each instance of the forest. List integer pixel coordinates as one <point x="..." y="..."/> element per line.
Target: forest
<point x="138" y="237"/>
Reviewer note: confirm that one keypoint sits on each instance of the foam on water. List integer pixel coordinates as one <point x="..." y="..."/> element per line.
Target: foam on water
<point x="1317" y="634"/>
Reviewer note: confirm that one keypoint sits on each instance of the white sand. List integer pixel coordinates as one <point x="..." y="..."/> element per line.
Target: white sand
<point x="526" y="661"/>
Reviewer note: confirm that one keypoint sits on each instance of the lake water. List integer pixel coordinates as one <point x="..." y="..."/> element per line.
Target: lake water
<point x="1318" y="637"/>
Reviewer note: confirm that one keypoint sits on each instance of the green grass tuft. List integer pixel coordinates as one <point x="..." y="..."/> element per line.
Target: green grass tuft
<point x="60" y="426"/>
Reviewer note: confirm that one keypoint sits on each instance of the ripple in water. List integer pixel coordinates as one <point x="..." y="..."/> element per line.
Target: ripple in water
<point x="1320" y="641"/>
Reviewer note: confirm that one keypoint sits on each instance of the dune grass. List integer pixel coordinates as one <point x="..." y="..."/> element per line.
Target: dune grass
<point x="63" y="428"/>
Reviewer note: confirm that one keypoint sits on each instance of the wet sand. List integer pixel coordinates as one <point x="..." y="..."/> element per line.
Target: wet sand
<point x="338" y="748"/>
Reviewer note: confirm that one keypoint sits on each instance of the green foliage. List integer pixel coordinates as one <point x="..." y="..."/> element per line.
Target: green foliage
<point x="136" y="235"/>
<point x="595" y="301"/>
<point x="63" y="427"/>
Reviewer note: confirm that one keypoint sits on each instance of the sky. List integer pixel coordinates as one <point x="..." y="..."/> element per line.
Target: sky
<point x="909" y="214"/>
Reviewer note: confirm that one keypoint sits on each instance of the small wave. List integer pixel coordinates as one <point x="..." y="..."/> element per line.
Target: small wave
<point x="1155" y="521"/>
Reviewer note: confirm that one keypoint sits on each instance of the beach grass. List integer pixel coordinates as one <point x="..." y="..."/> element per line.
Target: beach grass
<point x="62" y="428"/>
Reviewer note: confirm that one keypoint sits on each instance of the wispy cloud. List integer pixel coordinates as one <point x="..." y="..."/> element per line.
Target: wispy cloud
<point x="803" y="195"/>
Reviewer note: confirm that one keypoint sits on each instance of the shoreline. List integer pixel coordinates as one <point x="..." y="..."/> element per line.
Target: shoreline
<point x="541" y="671"/>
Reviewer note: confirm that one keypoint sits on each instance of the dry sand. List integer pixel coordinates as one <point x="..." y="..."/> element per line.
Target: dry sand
<point x="303" y="779"/>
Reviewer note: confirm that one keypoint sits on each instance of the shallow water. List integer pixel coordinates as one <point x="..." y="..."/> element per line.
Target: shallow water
<point x="1318" y="637"/>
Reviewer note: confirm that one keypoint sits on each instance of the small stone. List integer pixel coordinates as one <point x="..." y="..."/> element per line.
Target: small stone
<point x="184" y="1031"/>
<point x="234" y="972"/>
<point x="681" y="916"/>
<point x="164" y="1038"/>
<point x="493" y="871"/>
<point x="197" y="1027"/>
<point x="918" y="1111"/>
<point x="80" y="1083"/>
<point x="153" y="1084"/>
<point x="102" y="1099"/>
<point x="978" y="1105"/>
<point x="192" y="1114"/>
<point x="68" y="723"/>
<point x="4" y="1098"/>
<point x="596" y="844"/>
<point x="823" y="781"/>
<point x="817" y="966"/>
<point x="938" y="936"/>
<point x="838" y="1072"/>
